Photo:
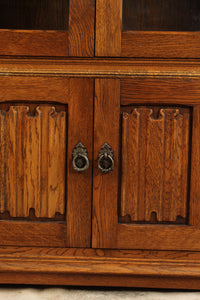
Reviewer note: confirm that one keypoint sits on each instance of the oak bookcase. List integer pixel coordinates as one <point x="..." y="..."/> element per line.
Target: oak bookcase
<point x="100" y="143"/>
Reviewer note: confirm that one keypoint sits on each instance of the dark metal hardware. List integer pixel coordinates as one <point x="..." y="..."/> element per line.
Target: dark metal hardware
<point x="106" y="159"/>
<point x="80" y="159"/>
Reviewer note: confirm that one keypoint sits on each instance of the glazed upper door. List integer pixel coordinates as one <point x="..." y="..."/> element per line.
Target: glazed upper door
<point x="44" y="201"/>
<point x="47" y="27"/>
<point x="151" y="198"/>
<point x="142" y="28"/>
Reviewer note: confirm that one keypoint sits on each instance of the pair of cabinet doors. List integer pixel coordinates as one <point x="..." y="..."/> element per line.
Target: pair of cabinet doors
<point x="150" y="200"/>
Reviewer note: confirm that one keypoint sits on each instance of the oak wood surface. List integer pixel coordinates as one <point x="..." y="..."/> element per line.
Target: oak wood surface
<point x="161" y="82"/>
<point x="101" y="67"/>
<point x="77" y="41"/>
<point x="76" y="93"/>
<point x="34" y="89"/>
<point x="160" y="44"/>
<point x="33" y="150"/>
<point x="195" y="161"/>
<point x="79" y="185"/>
<point x="174" y="91"/>
<point x="145" y="236"/>
<point x="154" y="164"/>
<point x="33" y="43"/>
<point x="43" y="234"/>
<point x="111" y="40"/>
<point x="108" y="28"/>
<point x="161" y="237"/>
<point x="81" y="28"/>
<point x="106" y="130"/>
<point x="74" y="266"/>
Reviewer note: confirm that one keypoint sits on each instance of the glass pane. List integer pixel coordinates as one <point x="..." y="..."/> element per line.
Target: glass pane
<point x="161" y="15"/>
<point x="34" y="14"/>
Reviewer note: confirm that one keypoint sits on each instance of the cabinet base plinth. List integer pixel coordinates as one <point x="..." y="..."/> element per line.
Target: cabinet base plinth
<point x="95" y="267"/>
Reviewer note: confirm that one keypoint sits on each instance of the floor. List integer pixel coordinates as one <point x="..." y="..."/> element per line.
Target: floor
<point x="32" y="293"/>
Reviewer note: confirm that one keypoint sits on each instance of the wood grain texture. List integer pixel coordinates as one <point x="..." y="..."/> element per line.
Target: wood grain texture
<point x="106" y="267"/>
<point x="79" y="186"/>
<point x="160" y="237"/>
<point x="167" y="91"/>
<point x="154" y="168"/>
<point x="33" y="149"/>
<point x="195" y="167"/>
<point x="108" y="27"/>
<point x="98" y="254"/>
<point x="34" y="89"/>
<point x="78" y="41"/>
<point x="106" y="130"/>
<point x="81" y="28"/>
<point x="33" y="43"/>
<point x="160" y="44"/>
<point x="22" y="233"/>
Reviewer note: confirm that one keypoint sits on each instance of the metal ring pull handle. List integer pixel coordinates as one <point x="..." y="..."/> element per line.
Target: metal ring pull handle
<point x="106" y="159"/>
<point x="80" y="159"/>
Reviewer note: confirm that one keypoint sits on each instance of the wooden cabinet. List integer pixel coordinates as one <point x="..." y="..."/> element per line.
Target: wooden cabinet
<point x="100" y="143"/>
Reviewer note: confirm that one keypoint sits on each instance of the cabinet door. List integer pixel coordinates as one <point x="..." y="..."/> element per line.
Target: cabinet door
<point x="43" y="200"/>
<point x="47" y="27"/>
<point x="142" y="28"/>
<point x="151" y="199"/>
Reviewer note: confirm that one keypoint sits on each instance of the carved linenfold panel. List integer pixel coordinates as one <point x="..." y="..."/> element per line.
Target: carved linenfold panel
<point x="154" y="166"/>
<point x="32" y="161"/>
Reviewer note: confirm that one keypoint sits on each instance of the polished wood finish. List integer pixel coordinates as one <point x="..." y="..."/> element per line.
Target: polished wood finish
<point x="160" y="44"/>
<point x="34" y="89"/>
<point x="108" y="28"/>
<point x="59" y="266"/>
<point x="77" y="41"/>
<point x="173" y="91"/>
<point x="31" y="233"/>
<point x="195" y="161"/>
<point x="33" y="43"/>
<point x="30" y="178"/>
<point x="154" y="164"/>
<point x="106" y="112"/>
<point x="54" y="186"/>
<point x="153" y="178"/>
<point x="147" y="70"/>
<point x="149" y="44"/>
<point x="146" y="107"/>
<point x="81" y="28"/>
<point x="79" y="188"/>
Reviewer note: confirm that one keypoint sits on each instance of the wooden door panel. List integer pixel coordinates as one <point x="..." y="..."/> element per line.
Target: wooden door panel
<point x="106" y="129"/>
<point x="154" y="164"/>
<point x="43" y="200"/>
<point x="154" y="199"/>
<point x="154" y="30"/>
<point x="50" y="29"/>
<point x="33" y="152"/>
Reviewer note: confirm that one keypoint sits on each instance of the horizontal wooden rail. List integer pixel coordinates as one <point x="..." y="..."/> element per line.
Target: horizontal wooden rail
<point x="100" y="67"/>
